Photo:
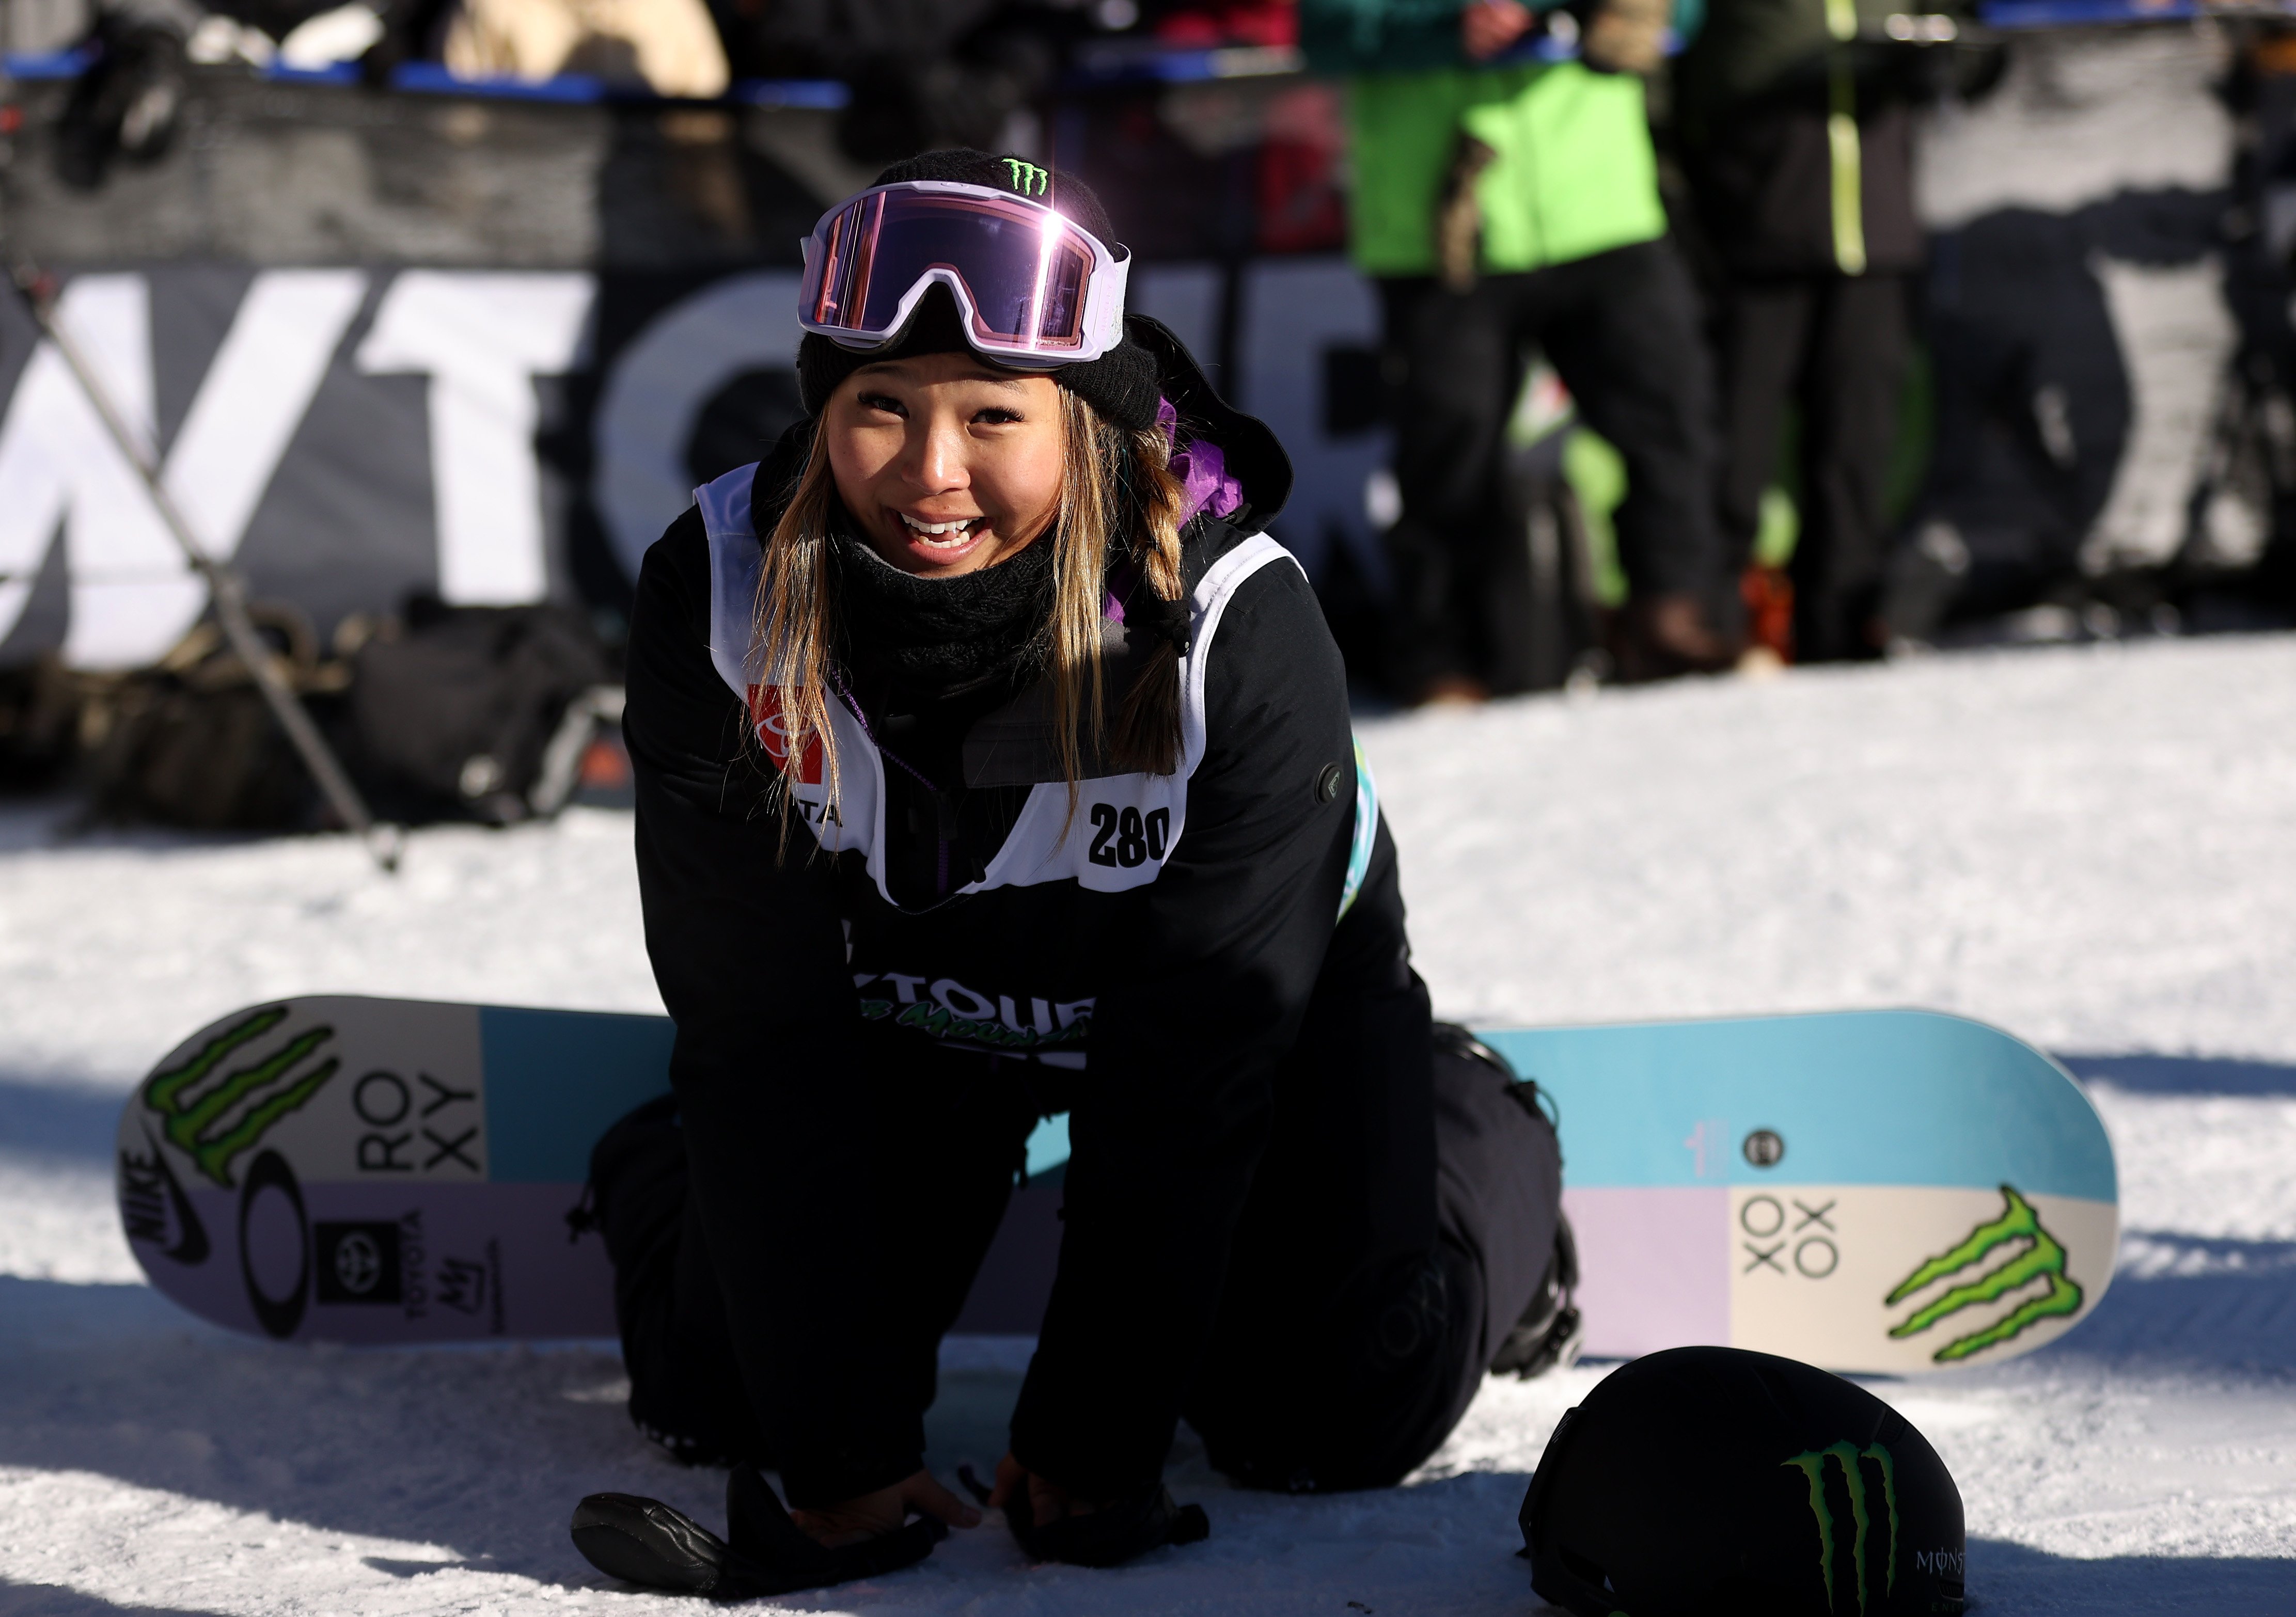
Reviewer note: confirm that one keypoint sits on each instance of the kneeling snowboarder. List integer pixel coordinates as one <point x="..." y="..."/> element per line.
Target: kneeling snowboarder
<point x="991" y="763"/>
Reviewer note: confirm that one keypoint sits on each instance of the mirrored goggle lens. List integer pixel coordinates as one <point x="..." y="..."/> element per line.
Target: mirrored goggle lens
<point x="1025" y="274"/>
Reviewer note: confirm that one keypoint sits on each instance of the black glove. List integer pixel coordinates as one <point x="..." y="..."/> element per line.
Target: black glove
<point x="645" y="1541"/>
<point x="1110" y="1535"/>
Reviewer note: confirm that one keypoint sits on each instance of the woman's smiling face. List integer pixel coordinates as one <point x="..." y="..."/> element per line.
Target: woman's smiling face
<point x="945" y="463"/>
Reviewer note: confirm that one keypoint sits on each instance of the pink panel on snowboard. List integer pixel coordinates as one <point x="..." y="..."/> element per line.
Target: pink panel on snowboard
<point x="394" y="1263"/>
<point x="1653" y="1269"/>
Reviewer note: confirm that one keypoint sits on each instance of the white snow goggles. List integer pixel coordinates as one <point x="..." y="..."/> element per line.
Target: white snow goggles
<point x="1037" y="291"/>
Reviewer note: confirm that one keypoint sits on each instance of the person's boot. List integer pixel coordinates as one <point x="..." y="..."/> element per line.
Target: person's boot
<point x="1657" y="637"/>
<point x="646" y="1542"/>
<point x="1768" y="593"/>
<point x="1920" y="583"/>
<point x="1451" y="691"/>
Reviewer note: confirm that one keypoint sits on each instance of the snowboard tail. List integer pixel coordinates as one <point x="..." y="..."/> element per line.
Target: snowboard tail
<point x="1891" y="1191"/>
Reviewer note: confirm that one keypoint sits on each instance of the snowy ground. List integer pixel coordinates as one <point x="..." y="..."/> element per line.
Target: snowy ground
<point x="2093" y="848"/>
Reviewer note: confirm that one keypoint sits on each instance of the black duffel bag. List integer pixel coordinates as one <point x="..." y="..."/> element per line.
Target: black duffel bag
<point x="475" y="712"/>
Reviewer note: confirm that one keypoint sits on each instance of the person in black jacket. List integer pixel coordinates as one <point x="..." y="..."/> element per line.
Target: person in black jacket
<point x="992" y="763"/>
<point x="1797" y="122"/>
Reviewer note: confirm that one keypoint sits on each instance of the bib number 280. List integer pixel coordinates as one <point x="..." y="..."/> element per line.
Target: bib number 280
<point x="1126" y="837"/>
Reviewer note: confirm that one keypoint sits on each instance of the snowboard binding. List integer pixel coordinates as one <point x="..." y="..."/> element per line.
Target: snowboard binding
<point x="1550" y="1333"/>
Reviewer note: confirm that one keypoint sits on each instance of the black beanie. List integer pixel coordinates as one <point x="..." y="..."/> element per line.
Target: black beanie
<point x="1121" y="384"/>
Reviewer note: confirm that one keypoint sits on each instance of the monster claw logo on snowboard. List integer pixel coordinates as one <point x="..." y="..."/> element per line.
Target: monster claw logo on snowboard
<point x="1886" y="1192"/>
<point x="2042" y="1259"/>
<point x="1852" y="1460"/>
<point x="195" y="1123"/>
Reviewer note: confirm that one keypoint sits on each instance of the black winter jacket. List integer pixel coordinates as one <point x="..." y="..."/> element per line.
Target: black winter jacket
<point x="1752" y="98"/>
<point x="1156" y="960"/>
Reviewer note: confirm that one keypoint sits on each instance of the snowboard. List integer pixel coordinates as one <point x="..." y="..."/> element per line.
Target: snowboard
<point x="1875" y="1191"/>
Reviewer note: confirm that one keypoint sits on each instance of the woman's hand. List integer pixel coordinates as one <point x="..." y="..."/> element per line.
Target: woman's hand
<point x="1048" y="1502"/>
<point x="888" y="1509"/>
<point x="1052" y="1525"/>
<point x="1488" y="27"/>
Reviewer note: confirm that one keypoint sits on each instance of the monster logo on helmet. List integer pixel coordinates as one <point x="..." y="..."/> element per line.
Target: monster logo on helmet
<point x="1852" y="1460"/>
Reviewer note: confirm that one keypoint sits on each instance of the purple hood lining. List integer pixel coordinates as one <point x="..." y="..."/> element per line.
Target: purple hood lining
<point x="1204" y="487"/>
<point x="1200" y="467"/>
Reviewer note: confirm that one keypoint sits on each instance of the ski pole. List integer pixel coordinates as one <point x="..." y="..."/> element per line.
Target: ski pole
<point x="225" y="587"/>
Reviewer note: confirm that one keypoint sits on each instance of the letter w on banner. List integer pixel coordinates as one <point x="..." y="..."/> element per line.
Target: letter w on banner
<point x="132" y="593"/>
<point x="481" y="338"/>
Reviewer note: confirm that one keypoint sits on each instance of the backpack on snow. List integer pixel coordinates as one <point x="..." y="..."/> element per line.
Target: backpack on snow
<point x="191" y="741"/>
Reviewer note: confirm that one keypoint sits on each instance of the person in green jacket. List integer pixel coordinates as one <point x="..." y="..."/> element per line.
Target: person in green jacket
<point x="1504" y="203"/>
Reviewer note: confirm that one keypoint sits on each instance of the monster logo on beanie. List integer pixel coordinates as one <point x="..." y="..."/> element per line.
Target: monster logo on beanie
<point x="1027" y="178"/>
<point x="1724" y="1483"/>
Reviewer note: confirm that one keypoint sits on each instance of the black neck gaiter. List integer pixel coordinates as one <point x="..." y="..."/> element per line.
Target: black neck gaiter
<point x="940" y="635"/>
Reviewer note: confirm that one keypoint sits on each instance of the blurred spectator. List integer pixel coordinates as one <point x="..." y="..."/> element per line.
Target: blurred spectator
<point x="1302" y="170"/>
<point x="669" y="46"/>
<point x="38" y="28"/>
<point x="923" y="73"/>
<point x="1203" y="24"/>
<point x="125" y="103"/>
<point x="1797" y="140"/>
<point x="1504" y="205"/>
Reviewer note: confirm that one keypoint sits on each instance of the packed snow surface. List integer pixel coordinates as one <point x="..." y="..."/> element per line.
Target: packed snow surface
<point x="2095" y="849"/>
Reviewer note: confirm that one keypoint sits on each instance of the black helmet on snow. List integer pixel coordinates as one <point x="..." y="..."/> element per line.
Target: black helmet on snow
<point x="1716" y="1481"/>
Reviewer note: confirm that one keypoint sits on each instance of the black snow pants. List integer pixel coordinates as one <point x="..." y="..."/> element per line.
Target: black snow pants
<point x="1836" y="346"/>
<point x="1622" y="329"/>
<point x="1402" y="1218"/>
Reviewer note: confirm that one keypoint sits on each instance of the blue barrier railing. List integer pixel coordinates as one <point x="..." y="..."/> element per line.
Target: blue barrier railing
<point x="2011" y="15"/>
<point x="45" y="64"/>
<point x="1121" y="61"/>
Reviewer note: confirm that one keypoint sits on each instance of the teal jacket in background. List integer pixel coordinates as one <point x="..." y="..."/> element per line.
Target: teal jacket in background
<point x="1574" y="173"/>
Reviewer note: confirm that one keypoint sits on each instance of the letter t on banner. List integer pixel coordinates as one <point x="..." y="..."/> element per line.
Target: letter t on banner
<point x="483" y="337"/>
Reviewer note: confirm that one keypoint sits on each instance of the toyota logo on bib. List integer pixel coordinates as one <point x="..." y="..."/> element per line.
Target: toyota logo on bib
<point x="772" y="723"/>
